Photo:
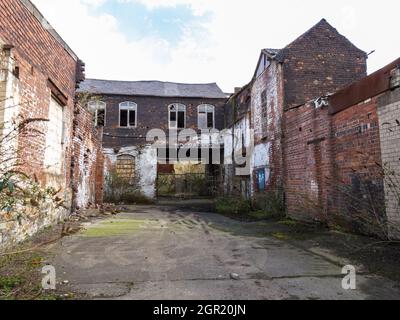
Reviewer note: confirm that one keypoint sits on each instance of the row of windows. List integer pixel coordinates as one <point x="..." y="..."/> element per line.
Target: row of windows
<point x="128" y="115"/>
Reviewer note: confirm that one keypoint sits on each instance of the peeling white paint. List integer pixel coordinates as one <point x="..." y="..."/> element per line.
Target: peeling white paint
<point x="146" y="166"/>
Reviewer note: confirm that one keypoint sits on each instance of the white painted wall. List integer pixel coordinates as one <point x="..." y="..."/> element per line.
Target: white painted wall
<point x="146" y="166"/>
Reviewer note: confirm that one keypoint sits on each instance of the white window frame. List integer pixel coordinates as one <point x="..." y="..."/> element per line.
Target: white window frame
<point x="207" y="107"/>
<point x="179" y="108"/>
<point x="95" y="106"/>
<point x="128" y="106"/>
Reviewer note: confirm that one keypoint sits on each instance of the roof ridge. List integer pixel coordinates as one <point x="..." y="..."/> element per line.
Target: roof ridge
<point x="322" y="21"/>
<point x="160" y="81"/>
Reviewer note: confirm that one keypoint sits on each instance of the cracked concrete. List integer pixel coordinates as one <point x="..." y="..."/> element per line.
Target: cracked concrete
<point x="164" y="253"/>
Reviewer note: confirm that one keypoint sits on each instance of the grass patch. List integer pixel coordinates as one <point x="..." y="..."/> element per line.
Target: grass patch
<point x="233" y="206"/>
<point x="261" y="215"/>
<point x="289" y="223"/>
<point x="280" y="236"/>
<point x="114" y="228"/>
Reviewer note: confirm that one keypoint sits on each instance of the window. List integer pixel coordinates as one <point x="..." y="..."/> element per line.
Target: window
<point x="177" y="116"/>
<point x="206" y="116"/>
<point x="264" y="104"/>
<point x="264" y="64"/>
<point x="126" y="167"/>
<point x="128" y="115"/>
<point x="54" y="139"/>
<point x="98" y="108"/>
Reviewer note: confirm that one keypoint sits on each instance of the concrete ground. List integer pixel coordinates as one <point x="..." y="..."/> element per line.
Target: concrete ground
<point x="165" y="253"/>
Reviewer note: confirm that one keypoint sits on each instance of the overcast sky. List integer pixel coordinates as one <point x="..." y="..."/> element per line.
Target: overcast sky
<point x="209" y="40"/>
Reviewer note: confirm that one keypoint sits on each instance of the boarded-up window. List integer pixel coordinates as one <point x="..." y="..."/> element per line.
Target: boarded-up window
<point x="54" y="139"/>
<point x="126" y="167"/>
<point x="206" y="117"/>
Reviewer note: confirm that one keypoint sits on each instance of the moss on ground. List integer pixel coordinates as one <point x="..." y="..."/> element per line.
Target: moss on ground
<point x="114" y="228"/>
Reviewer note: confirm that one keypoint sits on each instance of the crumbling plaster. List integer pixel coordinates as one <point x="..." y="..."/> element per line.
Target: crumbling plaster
<point x="146" y="166"/>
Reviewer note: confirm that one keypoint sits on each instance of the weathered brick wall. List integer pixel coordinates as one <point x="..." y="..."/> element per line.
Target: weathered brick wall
<point x="152" y="114"/>
<point x="321" y="61"/>
<point x="357" y="181"/>
<point x="41" y="66"/>
<point x="39" y="57"/>
<point x="307" y="157"/>
<point x="267" y="112"/>
<point x="333" y="171"/>
<point x="87" y="160"/>
<point x="389" y="124"/>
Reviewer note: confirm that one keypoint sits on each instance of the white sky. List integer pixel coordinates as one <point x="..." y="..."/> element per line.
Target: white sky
<point x="227" y="52"/>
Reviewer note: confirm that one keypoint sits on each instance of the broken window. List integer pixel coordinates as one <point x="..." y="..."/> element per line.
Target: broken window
<point x="128" y="114"/>
<point x="126" y="167"/>
<point x="177" y="116"/>
<point x="98" y="108"/>
<point x="264" y="104"/>
<point x="206" y="116"/>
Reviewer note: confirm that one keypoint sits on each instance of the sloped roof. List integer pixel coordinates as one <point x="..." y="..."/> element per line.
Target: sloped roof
<point x="321" y="24"/>
<point x="271" y="52"/>
<point x="152" y="88"/>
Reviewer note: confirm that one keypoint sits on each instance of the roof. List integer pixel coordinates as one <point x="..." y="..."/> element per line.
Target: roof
<point x="152" y="88"/>
<point x="271" y="52"/>
<point x="321" y="24"/>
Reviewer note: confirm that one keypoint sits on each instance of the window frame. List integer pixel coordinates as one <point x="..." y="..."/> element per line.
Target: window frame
<point x="206" y="112"/>
<point x="178" y="106"/>
<point x="131" y="106"/>
<point x="96" y="109"/>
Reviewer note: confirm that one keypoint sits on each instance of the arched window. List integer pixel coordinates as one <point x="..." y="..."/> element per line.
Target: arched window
<point x="128" y="115"/>
<point x="206" y="116"/>
<point x="177" y="116"/>
<point x="98" y="108"/>
<point x="125" y="167"/>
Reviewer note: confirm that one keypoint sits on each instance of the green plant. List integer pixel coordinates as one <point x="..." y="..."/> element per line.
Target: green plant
<point x="270" y="203"/>
<point x="235" y="206"/>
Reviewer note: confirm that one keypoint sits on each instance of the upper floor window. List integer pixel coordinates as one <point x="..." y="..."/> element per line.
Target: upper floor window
<point x="98" y="108"/>
<point x="206" y="116"/>
<point x="128" y="115"/>
<point x="177" y="116"/>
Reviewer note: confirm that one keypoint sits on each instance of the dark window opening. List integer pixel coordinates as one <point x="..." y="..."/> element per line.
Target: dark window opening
<point x="100" y="118"/>
<point x="210" y="120"/>
<point x="173" y="116"/>
<point x="123" y="120"/>
<point x="181" y="120"/>
<point x="132" y="118"/>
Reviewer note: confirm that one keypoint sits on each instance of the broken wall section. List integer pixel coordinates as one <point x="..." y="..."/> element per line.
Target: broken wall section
<point x="87" y="160"/>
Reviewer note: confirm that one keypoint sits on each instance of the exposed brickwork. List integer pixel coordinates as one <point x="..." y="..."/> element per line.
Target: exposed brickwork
<point x="40" y="71"/>
<point x="389" y="123"/>
<point x="152" y="114"/>
<point x="334" y="164"/>
<point x="87" y="160"/>
<point x="319" y="62"/>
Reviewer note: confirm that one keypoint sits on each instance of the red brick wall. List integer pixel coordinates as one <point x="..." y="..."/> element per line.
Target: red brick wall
<point x="319" y="62"/>
<point x="333" y="164"/>
<point x="40" y="57"/>
<point x="87" y="160"/>
<point x="307" y="162"/>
